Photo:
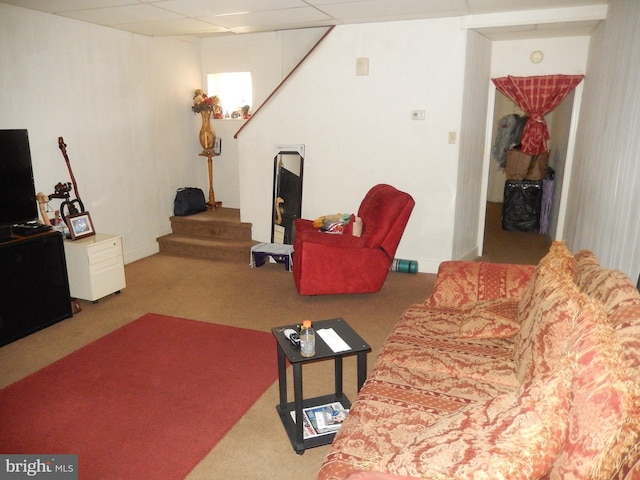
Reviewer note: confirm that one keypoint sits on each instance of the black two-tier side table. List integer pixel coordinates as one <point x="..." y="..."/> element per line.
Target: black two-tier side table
<point x="287" y="351"/>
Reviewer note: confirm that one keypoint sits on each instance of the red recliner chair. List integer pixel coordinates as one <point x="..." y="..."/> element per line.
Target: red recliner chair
<point x="326" y="263"/>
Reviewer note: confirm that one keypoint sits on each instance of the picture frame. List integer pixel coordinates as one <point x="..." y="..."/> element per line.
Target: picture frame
<point x="80" y="225"/>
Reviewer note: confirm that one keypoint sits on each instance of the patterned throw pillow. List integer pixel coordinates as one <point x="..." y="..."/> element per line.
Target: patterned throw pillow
<point x="604" y="420"/>
<point x="552" y="310"/>
<point x="611" y="287"/>
<point x="462" y="282"/>
<point x="491" y="319"/>
<point x="561" y="260"/>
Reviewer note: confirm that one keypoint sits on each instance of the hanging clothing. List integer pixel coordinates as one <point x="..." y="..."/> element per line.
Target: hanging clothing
<point x="508" y="135"/>
<point x="503" y="138"/>
<point x="517" y="131"/>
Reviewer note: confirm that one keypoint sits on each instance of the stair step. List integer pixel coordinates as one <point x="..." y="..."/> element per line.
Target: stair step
<point x="216" y="234"/>
<point x="219" y="223"/>
<point x="211" y="248"/>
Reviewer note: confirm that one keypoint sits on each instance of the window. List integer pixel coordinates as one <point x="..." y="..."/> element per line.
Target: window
<point x="234" y="92"/>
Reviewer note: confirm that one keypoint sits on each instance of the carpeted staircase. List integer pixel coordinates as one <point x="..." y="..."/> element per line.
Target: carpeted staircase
<point x="214" y="234"/>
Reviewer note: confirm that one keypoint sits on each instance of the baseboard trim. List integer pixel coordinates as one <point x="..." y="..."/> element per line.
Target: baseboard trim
<point x="142" y="252"/>
<point x="470" y="255"/>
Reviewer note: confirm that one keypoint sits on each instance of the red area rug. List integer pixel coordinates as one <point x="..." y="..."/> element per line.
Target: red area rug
<point x="149" y="400"/>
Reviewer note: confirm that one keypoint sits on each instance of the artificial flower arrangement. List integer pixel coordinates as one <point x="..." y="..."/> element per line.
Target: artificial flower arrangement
<point x="204" y="103"/>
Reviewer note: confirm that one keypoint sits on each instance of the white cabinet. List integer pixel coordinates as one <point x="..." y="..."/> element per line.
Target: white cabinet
<point x="95" y="266"/>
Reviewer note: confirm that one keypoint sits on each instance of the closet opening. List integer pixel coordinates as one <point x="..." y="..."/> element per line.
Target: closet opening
<point x="513" y="242"/>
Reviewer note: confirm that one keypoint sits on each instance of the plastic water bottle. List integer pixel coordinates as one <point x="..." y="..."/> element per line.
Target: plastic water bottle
<point x="307" y="339"/>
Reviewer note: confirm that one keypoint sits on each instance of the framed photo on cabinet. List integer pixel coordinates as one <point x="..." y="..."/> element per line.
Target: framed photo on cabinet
<point x="80" y="225"/>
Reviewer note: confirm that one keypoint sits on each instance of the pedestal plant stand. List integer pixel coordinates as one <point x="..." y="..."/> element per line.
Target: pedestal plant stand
<point x="204" y="106"/>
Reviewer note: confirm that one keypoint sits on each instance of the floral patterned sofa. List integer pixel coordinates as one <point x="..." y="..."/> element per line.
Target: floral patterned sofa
<point x="504" y="372"/>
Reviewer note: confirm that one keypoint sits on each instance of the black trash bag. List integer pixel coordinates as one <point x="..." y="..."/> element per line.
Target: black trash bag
<point x="522" y="205"/>
<point x="189" y="200"/>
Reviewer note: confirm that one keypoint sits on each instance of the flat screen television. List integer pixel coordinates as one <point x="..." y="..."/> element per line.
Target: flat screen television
<point x="17" y="191"/>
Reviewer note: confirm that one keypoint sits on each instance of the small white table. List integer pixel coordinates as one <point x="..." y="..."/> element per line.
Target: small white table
<point x="280" y="252"/>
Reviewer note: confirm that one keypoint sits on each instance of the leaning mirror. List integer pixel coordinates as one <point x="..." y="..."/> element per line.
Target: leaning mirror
<point x="287" y="192"/>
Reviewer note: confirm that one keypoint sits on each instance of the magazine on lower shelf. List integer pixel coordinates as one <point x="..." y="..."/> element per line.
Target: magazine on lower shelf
<point x="322" y="419"/>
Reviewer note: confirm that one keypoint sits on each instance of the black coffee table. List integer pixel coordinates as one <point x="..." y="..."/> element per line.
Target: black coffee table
<point x="287" y="351"/>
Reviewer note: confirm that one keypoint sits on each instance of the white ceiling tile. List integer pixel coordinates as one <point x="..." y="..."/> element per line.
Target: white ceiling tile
<point x="185" y="26"/>
<point x="273" y="17"/>
<point x="121" y="15"/>
<point x="271" y="28"/>
<point x="490" y="6"/>
<point x="58" y="6"/>
<point x="381" y="8"/>
<point x="203" y="8"/>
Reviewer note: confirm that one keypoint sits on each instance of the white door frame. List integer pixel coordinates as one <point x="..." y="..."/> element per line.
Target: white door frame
<point x="571" y="147"/>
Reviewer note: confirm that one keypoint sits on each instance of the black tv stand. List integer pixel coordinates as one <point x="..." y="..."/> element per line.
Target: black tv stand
<point x="30" y="228"/>
<point x="34" y="287"/>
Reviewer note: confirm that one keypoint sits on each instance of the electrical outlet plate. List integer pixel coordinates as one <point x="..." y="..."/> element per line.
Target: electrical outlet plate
<point x="417" y="114"/>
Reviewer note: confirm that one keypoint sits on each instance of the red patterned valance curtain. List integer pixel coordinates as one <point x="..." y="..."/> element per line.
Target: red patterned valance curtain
<point x="536" y="96"/>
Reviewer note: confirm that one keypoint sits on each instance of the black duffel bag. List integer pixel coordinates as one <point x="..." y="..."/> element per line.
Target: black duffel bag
<point x="189" y="200"/>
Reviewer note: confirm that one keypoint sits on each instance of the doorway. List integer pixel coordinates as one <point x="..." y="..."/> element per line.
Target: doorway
<point x="562" y="124"/>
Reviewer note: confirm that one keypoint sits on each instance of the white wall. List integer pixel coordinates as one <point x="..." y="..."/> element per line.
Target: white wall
<point x="602" y="213"/>
<point x="358" y="129"/>
<point x="121" y="102"/>
<point x="564" y="55"/>
<point x="269" y="57"/>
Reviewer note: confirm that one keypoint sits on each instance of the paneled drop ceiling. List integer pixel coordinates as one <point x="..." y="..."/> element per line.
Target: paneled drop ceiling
<point x="496" y="19"/>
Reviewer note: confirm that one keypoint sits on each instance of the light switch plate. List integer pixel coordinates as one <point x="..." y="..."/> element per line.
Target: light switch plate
<point x="362" y="66"/>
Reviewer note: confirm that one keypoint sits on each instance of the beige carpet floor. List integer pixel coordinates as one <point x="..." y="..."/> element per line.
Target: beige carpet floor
<point x="234" y="294"/>
<point x="502" y="246"/>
